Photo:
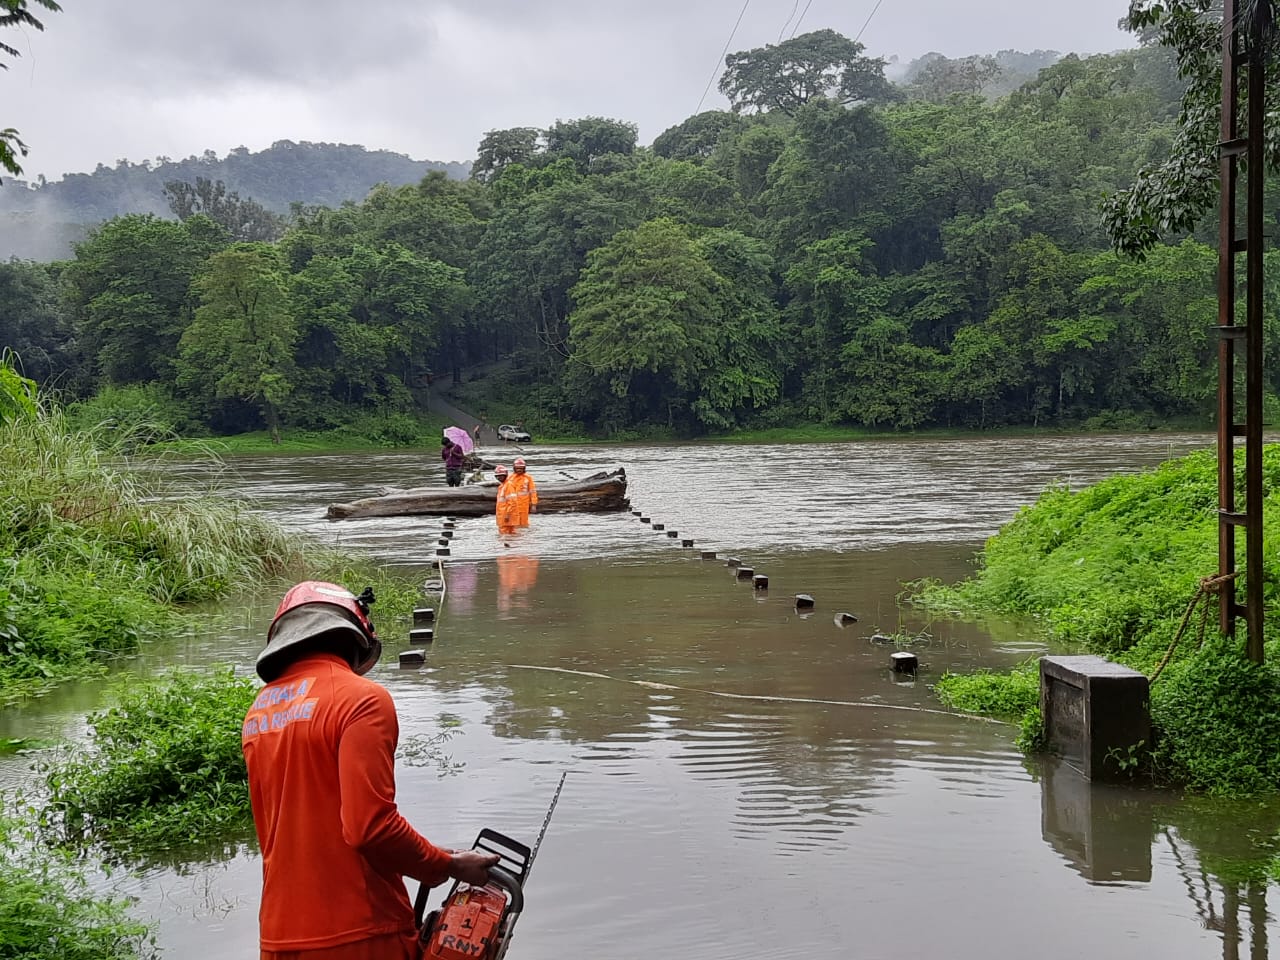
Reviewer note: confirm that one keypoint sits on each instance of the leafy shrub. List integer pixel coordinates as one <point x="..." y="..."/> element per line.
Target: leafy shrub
<point x="1218" y="721"/>
<point x="146" y="411"/>
<point x="49" y="912"/>
<point x="992" y="694"/>
<point x="388" y="430"/>
<point x="161" y="768"/>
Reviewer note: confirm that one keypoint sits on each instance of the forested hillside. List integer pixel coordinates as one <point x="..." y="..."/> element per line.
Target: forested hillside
<point x="835" y="249"/>
<point x="40" y="220"/>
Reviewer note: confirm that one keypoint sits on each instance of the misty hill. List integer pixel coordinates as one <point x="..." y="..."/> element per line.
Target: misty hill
<point x="41" y="220"/>
<point x="1013" y="69"/>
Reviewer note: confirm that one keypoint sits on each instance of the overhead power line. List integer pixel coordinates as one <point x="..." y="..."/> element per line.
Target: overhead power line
<point x="796" y="28"/>
<point x="794" y="7"/>
<point x="716" y="68"/>
<point x="869" y="16"/>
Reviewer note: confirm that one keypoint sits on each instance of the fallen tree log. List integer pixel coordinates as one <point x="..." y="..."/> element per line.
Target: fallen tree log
<point x="599" y="493"/>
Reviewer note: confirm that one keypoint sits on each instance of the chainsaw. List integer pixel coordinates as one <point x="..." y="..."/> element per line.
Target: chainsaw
<point x="475" y="922"/>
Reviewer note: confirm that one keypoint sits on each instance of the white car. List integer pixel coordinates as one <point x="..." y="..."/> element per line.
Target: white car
<point x="513" y="434"/>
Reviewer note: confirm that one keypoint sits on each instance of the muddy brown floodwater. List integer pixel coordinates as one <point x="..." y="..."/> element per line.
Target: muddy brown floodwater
<point x="744" y="781"/>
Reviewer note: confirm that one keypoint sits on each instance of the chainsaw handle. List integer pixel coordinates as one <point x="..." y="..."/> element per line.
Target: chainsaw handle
<point x="508" y="882"/>
<point x="497" y="876"/>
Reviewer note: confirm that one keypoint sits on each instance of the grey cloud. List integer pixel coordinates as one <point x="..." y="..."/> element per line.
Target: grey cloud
<point x="137" y="78"/>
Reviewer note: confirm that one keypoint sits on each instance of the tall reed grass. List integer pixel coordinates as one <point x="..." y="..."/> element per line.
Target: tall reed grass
<point x="97" y="553"/>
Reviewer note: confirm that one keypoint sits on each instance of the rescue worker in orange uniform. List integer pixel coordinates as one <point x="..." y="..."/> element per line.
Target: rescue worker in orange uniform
<point x="507" y="512"/>
<point x="319" y="743"/>
<point x="525" y="491"/>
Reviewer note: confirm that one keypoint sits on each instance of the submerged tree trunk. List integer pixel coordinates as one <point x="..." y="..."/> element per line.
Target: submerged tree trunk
<point x="600" y="493"/>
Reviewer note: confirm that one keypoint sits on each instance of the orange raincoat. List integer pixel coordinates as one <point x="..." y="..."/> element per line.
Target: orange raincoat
<point x="508" y="511"/>
<point x="320" y="744"/>
<point x="525" y="493"/>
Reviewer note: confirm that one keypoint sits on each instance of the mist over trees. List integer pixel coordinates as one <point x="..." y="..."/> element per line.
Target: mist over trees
<point x="835" y="249"/>
<point x="42" y="220"/>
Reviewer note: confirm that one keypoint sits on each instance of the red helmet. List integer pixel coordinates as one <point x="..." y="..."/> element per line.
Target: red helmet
<point x="500" y="470"/>
<point x="315" y="607"/>
<point x="519" y="463"/>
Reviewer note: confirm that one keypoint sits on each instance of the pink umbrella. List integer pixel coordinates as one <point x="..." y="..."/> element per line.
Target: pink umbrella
<point x="460" y="437"/>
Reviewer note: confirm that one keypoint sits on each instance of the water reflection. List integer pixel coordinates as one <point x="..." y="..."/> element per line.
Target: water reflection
<point x="1104" y="832"/>
<point x="1108" y="834"/>
<point x="517" y="575"/>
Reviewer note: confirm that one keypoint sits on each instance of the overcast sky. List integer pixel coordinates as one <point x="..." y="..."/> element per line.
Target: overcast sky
<point x="145" y="78"/>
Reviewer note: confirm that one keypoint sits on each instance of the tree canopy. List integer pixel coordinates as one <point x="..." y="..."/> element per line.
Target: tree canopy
<point x="832" y="251"/>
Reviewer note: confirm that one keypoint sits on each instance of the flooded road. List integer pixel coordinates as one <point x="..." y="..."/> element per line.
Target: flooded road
<point x="743" y="780"/>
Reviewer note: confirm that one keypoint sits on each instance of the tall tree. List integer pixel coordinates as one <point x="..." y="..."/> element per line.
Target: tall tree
<point x="1171" y="195"/>
<point x="656" y="333"/>
<point x="244" y="220"/>
<point x="129" y="289"/>
<point x="589" y="139"/>
<point x="16" y="13"/>
<point x="787" y="75"/>
<point x="240" y="344"/>
<point x="501" y="148"/>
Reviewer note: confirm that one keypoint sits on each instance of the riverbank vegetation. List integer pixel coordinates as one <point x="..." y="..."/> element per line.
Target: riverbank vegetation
<point x="865" y="256"/>
<point x="48" y="911"/>
<point x="96" y="557"/>
<point x="1114" y="569"/>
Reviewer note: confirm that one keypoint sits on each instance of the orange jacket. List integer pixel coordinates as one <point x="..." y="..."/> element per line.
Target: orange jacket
<point x="507" y="510"/>
<point x="524" y="491"/>
<point x="320" y="747"/>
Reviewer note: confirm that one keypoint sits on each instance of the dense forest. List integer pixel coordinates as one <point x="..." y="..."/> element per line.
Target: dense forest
<point x="41" y="220"/>
<point x="836" y="248"/>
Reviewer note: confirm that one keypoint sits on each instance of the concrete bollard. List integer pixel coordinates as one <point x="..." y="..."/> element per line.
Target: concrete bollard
<point x="448" y="525"/>
<point x="708" y="555"/>
<point x="760" y="581"/>
<point x="422" y="635"/>
<point x="844" y="619"/>
<point x="1095" y="713"/>
<point x="412" y="658"/>
<point x="442" y="542"/>
<point x="644" y="519"/>
<point x="423" y="616"/>
<point x="732" y="562"/>
<point x="904" y="661"/>
<point x="637" y="513"/>
<point x="446" y="534"/>
<point x="804" y="601"/>
<point x="686" y="543"/>
<point x="442" y="551"/>
<point x="673" y="534"/>
<point x="659" y="526"/>
<point x="745" y="573"/>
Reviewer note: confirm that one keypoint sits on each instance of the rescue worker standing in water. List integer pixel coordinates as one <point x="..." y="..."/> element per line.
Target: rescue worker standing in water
<point x="525" y="491"/>
<point x="506" y="512"/>
<point x="319" y="743"/>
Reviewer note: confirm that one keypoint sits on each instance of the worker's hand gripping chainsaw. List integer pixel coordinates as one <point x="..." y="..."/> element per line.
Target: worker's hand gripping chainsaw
<point x="475" y="922"/>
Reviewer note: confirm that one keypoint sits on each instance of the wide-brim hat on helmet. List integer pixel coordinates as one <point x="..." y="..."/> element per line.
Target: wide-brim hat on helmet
<point x="310" y="610"/>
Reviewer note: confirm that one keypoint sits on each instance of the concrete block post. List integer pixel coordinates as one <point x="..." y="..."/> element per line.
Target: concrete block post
<point x="1096" y="714"/>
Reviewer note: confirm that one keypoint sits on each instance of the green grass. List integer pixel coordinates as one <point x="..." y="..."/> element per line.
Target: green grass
<point x="1112" y="569"/>
<point x="1005" y="695"/>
